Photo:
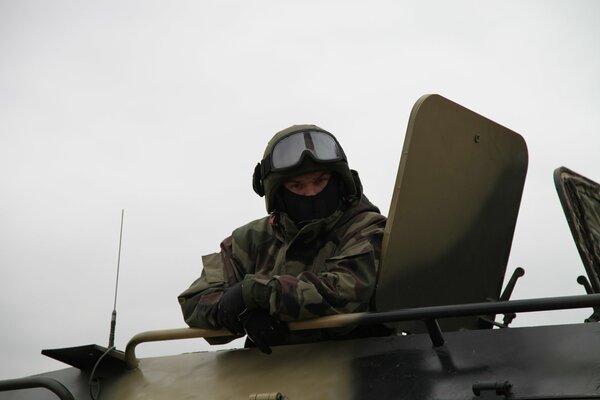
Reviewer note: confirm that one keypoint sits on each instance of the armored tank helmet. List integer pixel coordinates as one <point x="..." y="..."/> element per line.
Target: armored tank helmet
<point x="299" y="150"/>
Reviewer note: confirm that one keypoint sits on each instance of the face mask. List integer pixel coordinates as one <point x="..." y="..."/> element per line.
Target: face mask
<point x="306" y="208"/>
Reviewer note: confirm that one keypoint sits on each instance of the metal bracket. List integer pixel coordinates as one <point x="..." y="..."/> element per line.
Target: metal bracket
<point x="492" y="390"/>
<point x="583" y="281"/>
<point x="267" y="396"/>
<point x="519" y="272"/>
<point x="435" y="333"/>
<point x="505" y="296"/>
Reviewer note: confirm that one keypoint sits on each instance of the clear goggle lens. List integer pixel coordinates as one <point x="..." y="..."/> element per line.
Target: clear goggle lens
<point x="289" y="151"/>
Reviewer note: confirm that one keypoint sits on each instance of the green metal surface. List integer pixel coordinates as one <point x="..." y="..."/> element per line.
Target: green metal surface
<point x="453" y="211"/>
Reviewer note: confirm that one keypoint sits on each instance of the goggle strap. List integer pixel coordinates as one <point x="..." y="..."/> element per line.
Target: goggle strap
<point x="265" y="167"/>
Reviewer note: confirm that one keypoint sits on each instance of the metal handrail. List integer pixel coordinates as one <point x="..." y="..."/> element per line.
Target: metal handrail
<point x="37" y="382"/>
<point x="167" y="334"/>
<point x="410" y="314"/>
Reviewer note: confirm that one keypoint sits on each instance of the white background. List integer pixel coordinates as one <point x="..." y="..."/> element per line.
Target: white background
<point x="163" y="109"/>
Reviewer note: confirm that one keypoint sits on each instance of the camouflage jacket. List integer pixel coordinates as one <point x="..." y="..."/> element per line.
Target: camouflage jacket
<point x="327" y="267"/>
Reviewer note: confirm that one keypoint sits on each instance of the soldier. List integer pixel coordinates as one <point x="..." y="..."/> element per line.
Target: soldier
<point x="316" y="254"/>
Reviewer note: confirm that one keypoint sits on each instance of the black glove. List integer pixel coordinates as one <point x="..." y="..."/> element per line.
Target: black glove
<point x="230" y="309"/>
<point x="264" y="330"/>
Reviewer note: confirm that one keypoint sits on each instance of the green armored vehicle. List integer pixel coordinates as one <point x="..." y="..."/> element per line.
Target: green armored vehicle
<point x="439" y="291"/>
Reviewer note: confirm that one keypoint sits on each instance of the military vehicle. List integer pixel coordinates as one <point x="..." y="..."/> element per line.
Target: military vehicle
<point x="445" y="254"/>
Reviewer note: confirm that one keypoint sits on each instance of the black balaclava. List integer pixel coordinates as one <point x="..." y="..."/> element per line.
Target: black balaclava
<point x="302" y="209"/>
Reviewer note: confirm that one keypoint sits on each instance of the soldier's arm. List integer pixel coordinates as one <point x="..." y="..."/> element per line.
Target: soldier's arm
<point x="199" y="302"/>
<point x="344" y="284"/>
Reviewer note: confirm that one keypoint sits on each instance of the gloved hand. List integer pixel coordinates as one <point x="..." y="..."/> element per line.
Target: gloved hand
<point x="264" y="330"/>
<point x="230" y="309"/>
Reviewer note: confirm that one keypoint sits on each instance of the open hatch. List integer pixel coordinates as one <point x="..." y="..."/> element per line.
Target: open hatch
<point x="453" y="212"/>
<point x="580" y="199"/>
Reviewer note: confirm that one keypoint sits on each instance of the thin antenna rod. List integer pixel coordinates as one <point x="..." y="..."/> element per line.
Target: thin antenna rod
<point x="113" y="319"/>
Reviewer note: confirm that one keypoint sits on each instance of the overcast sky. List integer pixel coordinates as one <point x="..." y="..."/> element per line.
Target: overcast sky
<point x="163" y="109"/>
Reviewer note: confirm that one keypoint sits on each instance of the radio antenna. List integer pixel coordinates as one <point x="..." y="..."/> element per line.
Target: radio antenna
<point x="113" y="319"/>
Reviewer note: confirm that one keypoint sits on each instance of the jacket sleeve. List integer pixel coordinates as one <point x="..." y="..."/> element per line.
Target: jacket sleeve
<point x="199" y="302"/>
<point x="344" y="284"/>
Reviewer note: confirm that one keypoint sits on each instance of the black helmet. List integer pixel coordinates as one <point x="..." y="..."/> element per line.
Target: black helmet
<point x="298" y="150"/>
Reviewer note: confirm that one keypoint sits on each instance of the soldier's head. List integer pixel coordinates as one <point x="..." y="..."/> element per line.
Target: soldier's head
<point x="304" y="154"/>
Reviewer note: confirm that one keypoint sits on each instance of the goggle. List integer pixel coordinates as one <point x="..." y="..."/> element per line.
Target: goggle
<point x="291" y="150"/>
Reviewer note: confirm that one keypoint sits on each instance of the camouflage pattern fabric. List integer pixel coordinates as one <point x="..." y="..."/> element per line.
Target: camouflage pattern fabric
<point x="329" y="266"/>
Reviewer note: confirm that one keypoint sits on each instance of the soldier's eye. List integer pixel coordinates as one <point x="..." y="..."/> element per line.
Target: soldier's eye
<point x="323" y="179"/>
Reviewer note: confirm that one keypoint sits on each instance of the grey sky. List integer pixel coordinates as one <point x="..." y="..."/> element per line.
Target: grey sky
<point x="163" y="109"/>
